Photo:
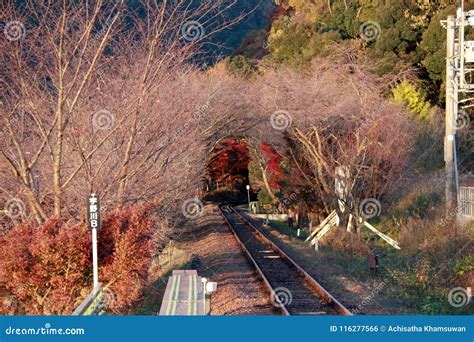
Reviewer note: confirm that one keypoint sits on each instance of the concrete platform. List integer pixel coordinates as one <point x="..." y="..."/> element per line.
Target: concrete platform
<point x="184" y="295"/>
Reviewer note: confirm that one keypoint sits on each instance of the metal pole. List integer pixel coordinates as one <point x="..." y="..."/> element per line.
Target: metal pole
<point x="248" y="195"/>
<point x="95" y="265"/>
<point x="204" y="282"/>
<point x="451" y="106"/>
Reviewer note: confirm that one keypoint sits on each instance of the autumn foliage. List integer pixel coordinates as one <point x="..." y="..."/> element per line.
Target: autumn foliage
<point x="47" y="269"/>
<point x="276" y="175"/>
<point x="230" y="161"/>
<point x="127" y="245"/>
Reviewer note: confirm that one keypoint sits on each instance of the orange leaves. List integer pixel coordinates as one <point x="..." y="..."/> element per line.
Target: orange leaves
<point x="48" y="267"/>
<point x="129" y="233"/>
<point x="40" y="265"/>
<point x="231" y="160"/>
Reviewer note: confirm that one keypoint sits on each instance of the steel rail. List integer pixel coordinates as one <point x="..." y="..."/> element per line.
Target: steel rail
<point x="269" y="287"/>
<point x="315" y="286"/>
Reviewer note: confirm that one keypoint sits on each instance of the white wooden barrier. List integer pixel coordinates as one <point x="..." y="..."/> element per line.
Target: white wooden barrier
<point x="466" y="204"/>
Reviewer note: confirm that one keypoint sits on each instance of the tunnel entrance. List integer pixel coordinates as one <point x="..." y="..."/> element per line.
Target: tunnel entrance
<point x="235" y="164"/>
<point x="227" y="173"/>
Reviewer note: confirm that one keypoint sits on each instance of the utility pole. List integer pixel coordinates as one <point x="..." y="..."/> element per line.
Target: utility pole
<point x="451" y="113"/>
<point x="459" y="98"/>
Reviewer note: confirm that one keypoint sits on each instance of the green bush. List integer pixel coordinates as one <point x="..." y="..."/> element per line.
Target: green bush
<point x="241" y="66"/>
<point x="464" y="265"/>
<point x="416" y="206"/>
<point x="264" y="197"/>
<point x="407" y="94"/>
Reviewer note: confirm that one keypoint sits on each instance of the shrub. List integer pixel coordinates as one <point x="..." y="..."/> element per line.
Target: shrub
<point x="127" y="245"/>
<point x="264" y="197"/>
<point x="45" y="267"/>
<point x="240" y="66"/>
<point x="464" y="265"/>
<point x="48" y="268"/>
<point x="407" y="94"/>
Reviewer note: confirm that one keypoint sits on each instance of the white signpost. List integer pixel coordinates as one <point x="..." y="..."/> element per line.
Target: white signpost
<point x="94" y="223"/>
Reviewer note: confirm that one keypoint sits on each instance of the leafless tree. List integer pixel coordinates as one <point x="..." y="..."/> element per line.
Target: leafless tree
<point x="332" y="116"/>
<point x="99" y="97"/>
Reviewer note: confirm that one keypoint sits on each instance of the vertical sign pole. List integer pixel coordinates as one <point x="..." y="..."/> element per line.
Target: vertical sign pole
<point x="449" y="139"/>
<point x="95" y="265"/>
<point x="94" y="222"/>
<point x="248" y="195"/>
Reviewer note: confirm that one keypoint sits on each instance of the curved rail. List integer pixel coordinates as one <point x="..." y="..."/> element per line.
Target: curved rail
<point x="302" y="294"/>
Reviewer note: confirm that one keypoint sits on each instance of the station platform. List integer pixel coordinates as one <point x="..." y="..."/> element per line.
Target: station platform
<point x="184" y="295"/>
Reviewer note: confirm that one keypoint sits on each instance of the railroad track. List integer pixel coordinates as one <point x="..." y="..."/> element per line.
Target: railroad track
<point x="293" y="291"/>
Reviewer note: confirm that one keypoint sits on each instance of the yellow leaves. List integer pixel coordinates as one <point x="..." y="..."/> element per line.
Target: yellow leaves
<point x="407" y="94"/>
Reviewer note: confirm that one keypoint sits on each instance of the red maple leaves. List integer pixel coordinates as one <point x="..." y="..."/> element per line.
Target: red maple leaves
<point x="47" y="269"/>
<point x="274" y="170"/>
<point x="230" y="162"/>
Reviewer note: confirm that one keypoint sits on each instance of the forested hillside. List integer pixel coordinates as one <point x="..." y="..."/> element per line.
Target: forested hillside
<point x="403" y="38"/>
<point x="395" y="34"/>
